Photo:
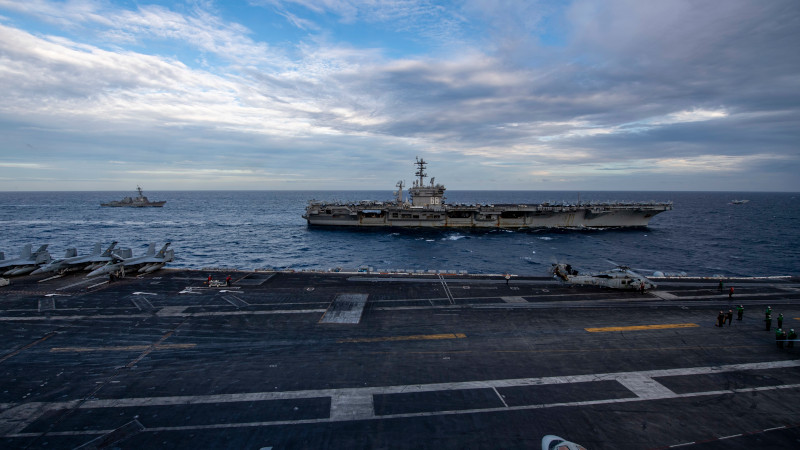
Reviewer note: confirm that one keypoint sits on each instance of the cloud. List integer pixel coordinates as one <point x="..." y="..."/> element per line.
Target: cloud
<point x="22" y="165"/>
<point x="520" y="87"/>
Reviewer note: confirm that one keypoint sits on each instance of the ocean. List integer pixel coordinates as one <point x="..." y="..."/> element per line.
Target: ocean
<point x="704" y="235"/>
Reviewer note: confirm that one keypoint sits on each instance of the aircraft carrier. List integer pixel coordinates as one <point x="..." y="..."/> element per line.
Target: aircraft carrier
<point x="427" y="208"/>
<point x="397" y="359"/>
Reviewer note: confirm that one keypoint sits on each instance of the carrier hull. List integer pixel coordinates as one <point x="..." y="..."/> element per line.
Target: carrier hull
<point x="528" y="216"/>
<point x="426" y="208"/>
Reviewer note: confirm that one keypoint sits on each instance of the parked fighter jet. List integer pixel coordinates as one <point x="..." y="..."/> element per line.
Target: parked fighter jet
<point x="27" y="262"/>
<point x="87" y="262"/>
<point x="619" y="278"/>
<point x="124" y="262"/>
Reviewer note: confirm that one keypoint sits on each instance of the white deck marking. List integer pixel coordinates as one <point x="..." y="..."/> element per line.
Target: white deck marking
<point x="171" y="310"/>
<point x="47" y="304"/>
<point x="346" y="308"/>
<point x="514" y="299"/>
<point x="447" y="290"/>
<point x="87" y="280"/>
<point x="136" y="316"/>
<point x="645" y="387"/>
<point x="664" y="295"/>
<point x="357" y="403"/>
<point x="143" y="304"/>
<point x="235" y="301"/>
<point x="500" y="397"/>
<point x="351" y="404"/>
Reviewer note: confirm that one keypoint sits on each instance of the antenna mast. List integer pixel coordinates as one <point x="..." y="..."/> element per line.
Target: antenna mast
<point x="421" y="171"/>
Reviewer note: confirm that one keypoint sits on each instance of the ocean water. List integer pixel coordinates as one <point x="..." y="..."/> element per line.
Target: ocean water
<point x="704" y="235"/>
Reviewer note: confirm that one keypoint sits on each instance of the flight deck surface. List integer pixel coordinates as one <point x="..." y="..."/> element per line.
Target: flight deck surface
<point x="333" y="360"/>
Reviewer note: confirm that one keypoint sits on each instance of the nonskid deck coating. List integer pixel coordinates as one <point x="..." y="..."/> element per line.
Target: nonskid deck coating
<point x="163" y="365"/>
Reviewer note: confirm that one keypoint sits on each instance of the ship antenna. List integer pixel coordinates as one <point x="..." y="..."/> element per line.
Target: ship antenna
<point x="421" y="171"/>
<point x="139" y="188"/>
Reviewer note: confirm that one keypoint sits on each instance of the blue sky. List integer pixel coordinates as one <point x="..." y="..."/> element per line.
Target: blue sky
<point x="325" y="94"/>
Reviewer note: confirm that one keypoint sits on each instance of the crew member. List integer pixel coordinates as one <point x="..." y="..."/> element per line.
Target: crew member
<point x="779" y="338"/>
<point x="228" y="281"/>
<point x="209" y="280"/>
<point x="780" y="320"/>
<point x="720" y="286"/>
<point x="768" y="320"/>
<point x="721" y="319"/>
<point x="729" y="317"/>
<point x="739" y="312"/>
<point x="730" y="292"/>
<point x="769" y="310"/>
<point x="792" y="337"/>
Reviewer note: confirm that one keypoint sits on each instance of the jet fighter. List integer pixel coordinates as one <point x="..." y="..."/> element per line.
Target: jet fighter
<point x="27" y="262"/>
<point x="620" y="277"/>
<point x="149" y="262"/>
<point x="87" y="262"/>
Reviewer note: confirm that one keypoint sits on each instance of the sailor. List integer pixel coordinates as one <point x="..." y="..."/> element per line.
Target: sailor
<point x="739" y="312"/>
<point x="720" y="286"/>
<point x="780" y="320"/>
<point x="768" y="320"/>
<point x="641" y="287"/>
<point x="769" y="310"/>
<point x="209" y="280"/>
<point x="792" y="337"/>
<point x="782" y="339"/>
<point x="721" y="319"/>
<point x="730" y="292"/>
<point x="779" y="337"/>
<point x="729" y="317"/>
<point x="228" y="281"/>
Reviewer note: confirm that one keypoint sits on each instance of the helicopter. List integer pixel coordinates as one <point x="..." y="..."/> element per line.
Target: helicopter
<point x="621" y="277"/>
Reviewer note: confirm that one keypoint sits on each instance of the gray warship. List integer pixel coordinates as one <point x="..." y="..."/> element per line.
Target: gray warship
<point x="426" y="207"/>
<point x="139" y="201"/>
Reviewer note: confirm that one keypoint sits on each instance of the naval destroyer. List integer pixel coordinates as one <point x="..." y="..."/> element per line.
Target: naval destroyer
<point x="426" y="207"/>
<point x="140" y="201"/>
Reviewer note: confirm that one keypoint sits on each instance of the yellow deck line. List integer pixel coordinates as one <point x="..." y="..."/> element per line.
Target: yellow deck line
<point x="418" y="337"/>
<point x="643" y="327"/>
<point x="137" y="348"/>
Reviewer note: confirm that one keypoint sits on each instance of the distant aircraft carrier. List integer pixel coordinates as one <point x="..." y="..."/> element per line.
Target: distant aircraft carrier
<point x="392" y="360"/>
<point x="427" y="208"/>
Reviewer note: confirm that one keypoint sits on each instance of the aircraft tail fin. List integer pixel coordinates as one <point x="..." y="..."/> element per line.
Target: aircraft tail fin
<point x="163" y="250"/>
<point x="96" y="249"/>
<point x="151" y="249"/>
<point x="110" y="249"/>
<point x="26" y="252"/>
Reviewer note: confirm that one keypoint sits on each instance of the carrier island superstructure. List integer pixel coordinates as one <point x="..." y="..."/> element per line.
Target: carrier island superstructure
<point x="426" y="207"/>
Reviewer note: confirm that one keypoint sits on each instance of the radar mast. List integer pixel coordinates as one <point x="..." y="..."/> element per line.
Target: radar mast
<point x="421" y="171"/>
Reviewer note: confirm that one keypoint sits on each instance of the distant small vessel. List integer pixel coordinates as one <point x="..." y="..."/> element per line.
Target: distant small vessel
<point x="139" y="201"/>
<point x="739" y="202"/>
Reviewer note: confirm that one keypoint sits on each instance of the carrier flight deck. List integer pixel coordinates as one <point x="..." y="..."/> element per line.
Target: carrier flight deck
<point x="393" y="360"/>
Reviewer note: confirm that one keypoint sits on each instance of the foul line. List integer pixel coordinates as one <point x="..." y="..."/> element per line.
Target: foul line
<point x="122" y="348"/>
<point x="418" y="337"/>
<point x="641" y="384"/>
<point x="642" y="327"/>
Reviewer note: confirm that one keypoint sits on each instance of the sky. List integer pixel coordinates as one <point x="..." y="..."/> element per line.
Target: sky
<point x="333" y="95"/>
